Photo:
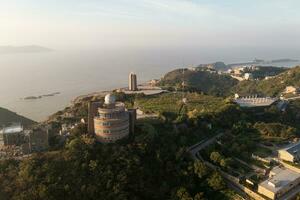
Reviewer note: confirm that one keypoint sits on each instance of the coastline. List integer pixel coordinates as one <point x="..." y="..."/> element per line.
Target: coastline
<point x="81" y="97"/>
<point x="143" y="87"/>
<point x="40" y="109"/>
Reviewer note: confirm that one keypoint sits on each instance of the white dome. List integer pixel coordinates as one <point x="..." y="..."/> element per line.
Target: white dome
<point x="110" y="99"/>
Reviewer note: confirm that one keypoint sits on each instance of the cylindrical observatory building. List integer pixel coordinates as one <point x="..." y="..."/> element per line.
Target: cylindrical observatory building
<point x="112" y="121"/>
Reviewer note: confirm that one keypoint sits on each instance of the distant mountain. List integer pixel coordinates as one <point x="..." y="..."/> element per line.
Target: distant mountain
<point x="261" y="61"/>
<point x="284" y="60"/>
<point x="23" y="49"/>
<point x="7" y="116"/>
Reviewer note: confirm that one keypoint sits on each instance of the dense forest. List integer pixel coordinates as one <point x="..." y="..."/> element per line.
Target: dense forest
<point x="152" y="164"/>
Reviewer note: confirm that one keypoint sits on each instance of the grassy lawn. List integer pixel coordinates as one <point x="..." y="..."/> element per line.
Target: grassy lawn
<point x="241" y="168"/>
<point x="171" y="102"/>
<point x="275" y="140"/>
<point x="262" y="152"/>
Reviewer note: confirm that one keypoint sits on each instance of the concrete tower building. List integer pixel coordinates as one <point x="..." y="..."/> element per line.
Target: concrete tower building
<point x="112" y="121"/>
<point x="132" y="82"/>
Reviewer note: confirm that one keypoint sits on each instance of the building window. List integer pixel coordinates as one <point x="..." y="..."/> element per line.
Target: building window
<point x="106" y="123"/>
<point x="107" y="115"/>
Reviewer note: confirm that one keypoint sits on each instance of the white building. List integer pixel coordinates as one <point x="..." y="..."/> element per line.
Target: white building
<point x="248" y="76"/>
<point x="31" y="140"/>
<point x="291" y="153"/>
<point x="11" y="135"/>
<point x="254" y="101"/>
<point x="291" y="90"/>
<point x="238" y="71"/>
<point x="280" y="182"/>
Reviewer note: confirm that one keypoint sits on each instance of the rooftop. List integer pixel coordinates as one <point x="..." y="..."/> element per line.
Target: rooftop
<point x="16" y="128"/>
<point x="117" y="106"/>
<point x="255" y="101"/>
<point x="279" y="178"/>
<point x="292" y="148"/>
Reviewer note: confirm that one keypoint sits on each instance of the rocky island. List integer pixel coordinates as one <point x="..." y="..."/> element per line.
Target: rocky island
<point x="41" y="96"/>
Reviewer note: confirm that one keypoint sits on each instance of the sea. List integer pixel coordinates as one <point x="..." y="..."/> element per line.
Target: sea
<point x="73" y="73"/>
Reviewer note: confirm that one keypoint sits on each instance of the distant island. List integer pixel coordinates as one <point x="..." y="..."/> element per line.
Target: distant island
<point x="261" y="61"/>
<point x="41" y="96"/>
<point x="23" y="49"/>
<point x="284" y="60"/>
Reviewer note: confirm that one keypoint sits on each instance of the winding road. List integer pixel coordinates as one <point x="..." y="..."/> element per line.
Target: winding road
<point x="202" y="144"/>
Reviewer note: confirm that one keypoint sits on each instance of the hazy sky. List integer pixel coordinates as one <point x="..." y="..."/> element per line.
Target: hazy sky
<point x="122" y="23"/>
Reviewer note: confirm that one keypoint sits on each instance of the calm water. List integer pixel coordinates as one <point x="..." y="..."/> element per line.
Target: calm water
<point x="76" y="73"/>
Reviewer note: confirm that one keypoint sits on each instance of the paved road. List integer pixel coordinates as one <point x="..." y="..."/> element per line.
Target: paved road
<point x="292" y="98"/>
<point x="237" y="190"/>
<point x="202" y="144"/>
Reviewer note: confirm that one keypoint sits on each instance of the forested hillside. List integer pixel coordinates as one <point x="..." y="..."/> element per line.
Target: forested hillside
<point x="7" y="116"/>
<point x="203" y="81"/>
<point x="212" y="83"/>
<point x="270" y="87"/>
<point x="263" y="71"/>
<point x="152" y="164"/>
